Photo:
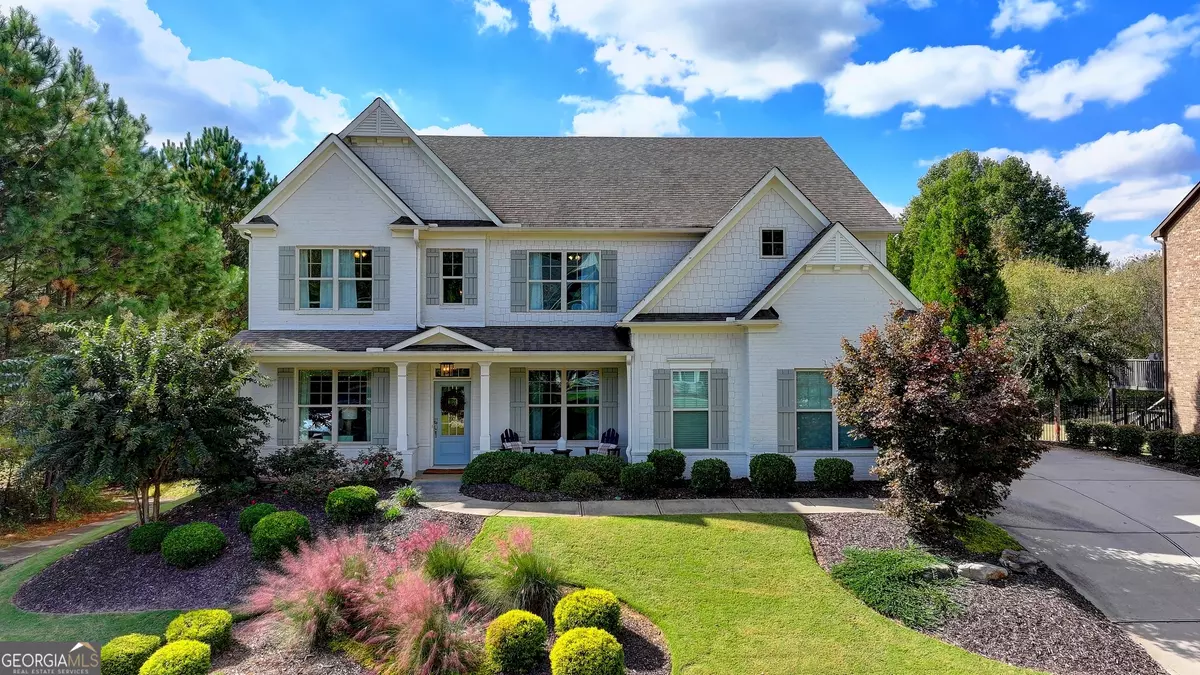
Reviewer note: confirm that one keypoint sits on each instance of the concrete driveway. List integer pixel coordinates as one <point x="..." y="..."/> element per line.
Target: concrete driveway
<point x="1127" y="536"/>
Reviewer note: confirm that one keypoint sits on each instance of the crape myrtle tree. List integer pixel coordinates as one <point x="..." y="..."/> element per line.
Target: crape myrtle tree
<point x="955" y="423"/>
<point x="142" y="403"/>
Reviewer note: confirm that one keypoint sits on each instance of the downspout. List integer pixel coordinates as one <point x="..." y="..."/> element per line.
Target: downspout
<point x="417" y="284"/>
<point x="245" y="234"/>
<point x="629" y="424"/>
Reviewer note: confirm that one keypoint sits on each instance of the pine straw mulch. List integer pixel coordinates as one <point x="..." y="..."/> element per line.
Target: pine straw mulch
<point x="1029" y="620"/>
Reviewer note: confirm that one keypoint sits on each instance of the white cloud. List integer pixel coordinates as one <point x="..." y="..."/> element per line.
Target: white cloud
<point x="456" y="130"/>
<point x="581" y="70"/>
<point x="746" y="49"/>
<point x="627" y="115"/>
<point x="1192" y="112"/>
<point x="494" y="15"/>
<point x="1031" y="14"/>
<point x="893" y="209"/>
<point x="919" y="4"/>
<point x="946" y="77"/>
<point x="1141" y="199"/>
<point x="1118" y="73"/>
<point x="913" y="119"/>
<point x="1128" y="246"/>
<point x="155" y="72"/>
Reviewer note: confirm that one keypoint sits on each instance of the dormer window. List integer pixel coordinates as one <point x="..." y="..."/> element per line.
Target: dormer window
<point x="772" y="243"/>
<point x="326" y="285"/>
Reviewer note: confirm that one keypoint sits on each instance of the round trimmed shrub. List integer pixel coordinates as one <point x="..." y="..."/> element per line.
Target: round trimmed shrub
<point x="193" y="544"/>
<point x="125" y="655"/>
<point x="1162" y="443"/>
<point x="278" y="531"/>
<point x="351" y="503"/>
<point x="589" y="608"/>
<point x="669" y="464"/>
<point x="773" y="473"/>
<point x="250" y="516"/>
<point x="1104" y="434"/>
<point x="516" y="640"/>
<point x="710" y="476"/>
<point x="148" y="538"/>
<point x="534" y="478"/>
<point x="639" y="480"/>
<point x="1129" y="439"/>
<point x="497" y="466"/>
<point x="213" y="627"/>
<point x="186" y="657"/>
<point x="608" y="468"/>
<point x="1079" y="432"/>
<point x="833" y="473"/>
<point x="587" y="651"/>
<point x="1187" y="449"/>
<point x="581" y="484"/>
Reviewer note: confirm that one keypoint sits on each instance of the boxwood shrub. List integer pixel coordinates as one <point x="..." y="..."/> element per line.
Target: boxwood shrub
<point x="250" y="516"/>
<point x="351" y="503"/>
<point x="589" y="608"/>
<point x="587" y="651"/>
<point x="148" y="538"/>
<point x="278" y="531"/>
<point x="1128" y="440"/>
<point x="669" y="465"/>
<point x="495" y="467"/>
<point x="710" y="476"/>
<point x="535" y="478"/>
<point x="1187" y="449"/>
<point x="772" y="473"/>
<point x="213" y="627"/>
<point x="186" y="657"/>
<point x="193" y="544"/>
<point x="608" y="468"/>
<point x="581" y="484"/>
<point x="1162" y="443"/>
<point x="833" y="473"/>
<point x="1079" y="432"/>
<point x="639" y="480"/>
<point x="516" y="640"/>
<point x="1104" y="435"/>
<point x="125" y="655"/>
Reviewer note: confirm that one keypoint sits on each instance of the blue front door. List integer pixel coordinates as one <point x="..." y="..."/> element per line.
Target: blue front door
<point x="451" y="427"/>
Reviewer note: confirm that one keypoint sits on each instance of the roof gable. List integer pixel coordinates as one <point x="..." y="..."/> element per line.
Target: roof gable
<point x="441" y="337"/>
<point x="1192" y="197"/>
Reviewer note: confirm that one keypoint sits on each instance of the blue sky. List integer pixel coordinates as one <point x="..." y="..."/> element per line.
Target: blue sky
<point x="1102" y="95"/>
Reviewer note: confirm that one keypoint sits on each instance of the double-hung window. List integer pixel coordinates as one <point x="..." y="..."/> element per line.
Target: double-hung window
<point x="558" y="396"/>
<point x="335" y="405"/>
<point x="335" y="277"/>
<point x="815" y="419"/>
<point x="689" y="409"/>
<point x="567" y="281"/>
<point x="452" y="277"/>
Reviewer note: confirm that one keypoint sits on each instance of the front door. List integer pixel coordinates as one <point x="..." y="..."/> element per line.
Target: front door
<point x="451" y="435"/>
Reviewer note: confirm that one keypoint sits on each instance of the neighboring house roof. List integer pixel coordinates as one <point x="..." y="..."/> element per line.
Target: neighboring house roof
<point x="648" y="182"/>
<point x="516" y="338"/>
<point x="1176" y="213"/>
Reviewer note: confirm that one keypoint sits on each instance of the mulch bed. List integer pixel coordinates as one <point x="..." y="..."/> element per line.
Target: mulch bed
<point x="739" y="489"/>
<point x="1030" y="620"/>
<point x="263" y="647"/>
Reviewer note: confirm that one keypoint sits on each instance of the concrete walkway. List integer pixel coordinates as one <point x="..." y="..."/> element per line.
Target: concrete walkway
<point x="1127" y="536"/>
<point x="441" y="492"/>
<point x="11" y="555"/>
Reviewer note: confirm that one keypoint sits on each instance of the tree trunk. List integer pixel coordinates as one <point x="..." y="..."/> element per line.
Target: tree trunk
<point x="1057" y="415"/>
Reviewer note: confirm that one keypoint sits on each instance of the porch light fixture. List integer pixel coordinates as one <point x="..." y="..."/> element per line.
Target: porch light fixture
<point x="446" y="369"/>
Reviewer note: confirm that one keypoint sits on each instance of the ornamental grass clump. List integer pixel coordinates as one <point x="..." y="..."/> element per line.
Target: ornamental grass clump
<point x="125" y="655"/>
<point x="449" y="560"/>
<point x="524" y="578"/>
<point x="516" y="640"/>
<point x="407" y="496"/>
<point x="896" y="583"/>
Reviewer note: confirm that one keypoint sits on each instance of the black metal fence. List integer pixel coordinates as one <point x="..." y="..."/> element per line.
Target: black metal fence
<point x="1142" y="374"/>
<point x="1113" y="410"/>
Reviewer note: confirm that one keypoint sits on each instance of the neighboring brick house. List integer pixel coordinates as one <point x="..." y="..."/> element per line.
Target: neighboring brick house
<point x="428" y="293"/>
<point x="1179" y="233"/>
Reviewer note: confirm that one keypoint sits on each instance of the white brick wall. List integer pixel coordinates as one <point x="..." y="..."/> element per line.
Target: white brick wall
<point x="334" y="207"/>
<point x="417" y="182"/>
<point x="641" y="263"/>
<point x="734" y="271"/>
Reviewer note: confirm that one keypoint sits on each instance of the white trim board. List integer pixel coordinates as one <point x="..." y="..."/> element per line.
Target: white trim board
<point x="439" y="331"/>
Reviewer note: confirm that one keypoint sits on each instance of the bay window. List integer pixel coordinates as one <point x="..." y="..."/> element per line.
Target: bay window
<point x="815" y="419"/>
<point x="689" y="409"/>
<point x="564" y="281"/>
<point x="558" y="397"/>
<point x="335" y="405"/>
<point x="321" y="279"/>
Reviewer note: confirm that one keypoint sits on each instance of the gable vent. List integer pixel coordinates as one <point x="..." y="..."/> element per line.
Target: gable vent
<point x="379" y="124"/>
<point x="838" y="250"/>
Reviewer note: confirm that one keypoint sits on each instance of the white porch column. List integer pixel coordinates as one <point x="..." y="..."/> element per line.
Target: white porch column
<point x="402" y="411"/>
<point x="485" y="407"/>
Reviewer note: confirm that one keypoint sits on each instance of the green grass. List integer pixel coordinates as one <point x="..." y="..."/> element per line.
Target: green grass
<point x="980" y="536"/>
<point x="738" y="594"/>
<point x="892" y="582"/>
<point x="17" y="625"/>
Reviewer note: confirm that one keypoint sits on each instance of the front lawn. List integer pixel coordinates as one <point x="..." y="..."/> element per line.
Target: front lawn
<point x="738" y="594"/>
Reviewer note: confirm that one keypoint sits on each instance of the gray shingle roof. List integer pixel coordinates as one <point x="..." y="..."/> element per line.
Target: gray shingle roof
<point x="518" y="338"/>
<point x="648" y="182"/>
<point x="652" y="317"/>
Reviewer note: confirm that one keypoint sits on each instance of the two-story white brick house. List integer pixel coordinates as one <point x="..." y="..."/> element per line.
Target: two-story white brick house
<point x="428" y="293"/>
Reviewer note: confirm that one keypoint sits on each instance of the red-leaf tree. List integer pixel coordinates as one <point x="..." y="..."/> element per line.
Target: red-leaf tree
<point x="955" y="424"/>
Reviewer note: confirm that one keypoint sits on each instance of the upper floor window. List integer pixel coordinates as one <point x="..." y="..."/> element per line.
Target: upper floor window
<point x="326" y="285"/>
<point x="772" y="243"/>
<point x="452" y="277"/>
<point x="815" y="419"/>
<point x="564" y="281"/>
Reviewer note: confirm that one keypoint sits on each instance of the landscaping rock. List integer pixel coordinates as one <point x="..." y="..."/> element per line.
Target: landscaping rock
<point x="982" y="572"/>
<point x="1021" y="562"/>
<point x="939" y="571"/>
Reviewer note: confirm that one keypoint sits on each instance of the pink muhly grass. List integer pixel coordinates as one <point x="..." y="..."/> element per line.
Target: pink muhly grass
<point x="525" y="579"/>
<point x="519" y="540"/>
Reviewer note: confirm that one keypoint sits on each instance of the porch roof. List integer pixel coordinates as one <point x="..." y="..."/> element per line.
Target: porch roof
<point x="516" y="338"/>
